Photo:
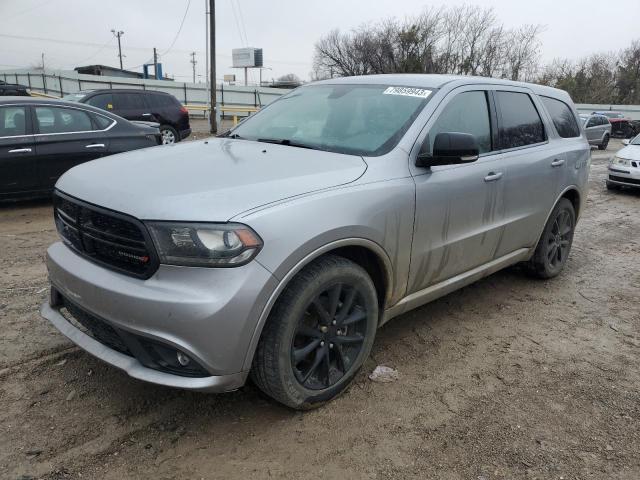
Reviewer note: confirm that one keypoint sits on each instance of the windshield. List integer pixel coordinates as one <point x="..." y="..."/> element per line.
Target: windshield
<point x="366" y="120"/>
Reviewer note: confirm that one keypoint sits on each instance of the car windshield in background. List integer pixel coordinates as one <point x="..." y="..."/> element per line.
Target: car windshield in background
<point x="366" y="120"/>
<point x="584" y="118"/>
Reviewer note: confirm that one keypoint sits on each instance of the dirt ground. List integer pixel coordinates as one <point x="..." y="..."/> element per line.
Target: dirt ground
<point x="507" y="378"/>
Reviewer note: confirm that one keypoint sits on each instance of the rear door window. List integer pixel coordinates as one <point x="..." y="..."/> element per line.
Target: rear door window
<point x="129" y="101"/>
<point x="102" y="100"/>
<point x="13" y="121"/>
<point x="562" y="116"/>
<point x="520" y="122"/>
<point x="62" y="120"/>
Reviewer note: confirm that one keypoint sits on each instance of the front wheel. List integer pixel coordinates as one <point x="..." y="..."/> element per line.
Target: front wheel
<point x="554" y="245"/>
<point x="169" y="135"/>
<point x="318" y="334"/>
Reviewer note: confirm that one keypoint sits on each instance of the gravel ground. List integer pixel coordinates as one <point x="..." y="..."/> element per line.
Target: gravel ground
<point x="507" y="378"/>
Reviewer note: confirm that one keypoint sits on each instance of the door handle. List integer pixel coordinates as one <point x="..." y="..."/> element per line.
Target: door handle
<point x="493" y="176"/>
<point x="95" y="145"/>
<point x="146" y="114"/>
<point x="557" y="162"/>
<point x="20" y="150"/>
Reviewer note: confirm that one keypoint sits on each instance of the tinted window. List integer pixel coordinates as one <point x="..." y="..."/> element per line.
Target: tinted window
<point x="521" y="124"/>
<point x="13" y="121"/>
<point x="163" y="101"/>
<point x="133" y="101"/>
<point x="103" y="101"/>
<point x="102" y="122"/>
<point x="468" y="112"/>
<point x="62" y="120"/>
<point x="592" y="122"/>
<point x="562" y="117"/>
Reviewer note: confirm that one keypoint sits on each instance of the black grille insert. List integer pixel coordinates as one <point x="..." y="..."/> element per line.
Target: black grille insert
<point x="109" y="238"/>
<point x="634" y="181"/>
<point x="150" y="353"/>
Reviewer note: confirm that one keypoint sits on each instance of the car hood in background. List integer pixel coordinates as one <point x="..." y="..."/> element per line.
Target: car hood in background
<point x="630" y="152"/>
<point x="211" y="180"/>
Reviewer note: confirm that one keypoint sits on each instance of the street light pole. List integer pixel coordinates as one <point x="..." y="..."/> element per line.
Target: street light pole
<point x="212" y="60"/>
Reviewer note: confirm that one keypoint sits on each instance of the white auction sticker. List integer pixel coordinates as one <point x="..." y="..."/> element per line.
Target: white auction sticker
<point x="407" y="92"/>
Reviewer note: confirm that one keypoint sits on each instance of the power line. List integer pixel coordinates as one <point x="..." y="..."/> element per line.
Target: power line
<point x="235" y="16"/>
<point x="179" y="29"/>
<point x="97" y="52"/>
<point x="246" y="38"/>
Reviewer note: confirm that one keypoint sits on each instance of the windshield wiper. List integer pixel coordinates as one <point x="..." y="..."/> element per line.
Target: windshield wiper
<point x="287" y="142"/>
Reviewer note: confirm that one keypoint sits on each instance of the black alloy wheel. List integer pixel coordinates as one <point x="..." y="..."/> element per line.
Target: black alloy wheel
<point x="329" y="337"/>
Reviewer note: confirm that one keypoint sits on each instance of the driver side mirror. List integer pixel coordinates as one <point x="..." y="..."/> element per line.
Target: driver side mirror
<point x="449" y="148"/>
<point x="626" y="141"/>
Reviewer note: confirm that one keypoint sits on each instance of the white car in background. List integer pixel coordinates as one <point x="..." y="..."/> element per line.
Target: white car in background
<point x="624" y="168"/>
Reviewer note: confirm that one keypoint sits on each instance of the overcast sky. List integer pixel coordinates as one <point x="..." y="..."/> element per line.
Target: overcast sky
<point x="77" y="32"/>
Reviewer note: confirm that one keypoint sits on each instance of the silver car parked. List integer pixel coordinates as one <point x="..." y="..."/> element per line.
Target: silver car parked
<point x="598" y="130"/>
<point x="624" y="167"/>
<point x="277" y="250"/>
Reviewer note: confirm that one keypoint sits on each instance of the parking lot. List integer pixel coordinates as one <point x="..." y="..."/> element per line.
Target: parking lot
<point x="507" y="378"/>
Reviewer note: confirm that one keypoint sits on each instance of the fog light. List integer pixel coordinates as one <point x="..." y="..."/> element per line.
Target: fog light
<point x="183" y="359"/>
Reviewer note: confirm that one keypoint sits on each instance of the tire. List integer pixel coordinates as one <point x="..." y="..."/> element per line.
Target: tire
<point x="604" y="144"/>
<point x="555" y="242"/>
<point x="169" y="135"/>
<point x="612" y="186"/>
<point x="301" y="333"/>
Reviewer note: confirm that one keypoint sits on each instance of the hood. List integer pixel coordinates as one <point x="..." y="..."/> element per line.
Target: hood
<point x="630" y="152"/>
<point x="210" y="180"/>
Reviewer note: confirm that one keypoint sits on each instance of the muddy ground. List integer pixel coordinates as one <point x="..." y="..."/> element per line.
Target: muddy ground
<point x="507" y="378"/>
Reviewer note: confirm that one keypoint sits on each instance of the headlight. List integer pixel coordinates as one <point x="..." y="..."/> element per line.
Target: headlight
<point x="625" y="162"/>
<point x="204" y="244"/>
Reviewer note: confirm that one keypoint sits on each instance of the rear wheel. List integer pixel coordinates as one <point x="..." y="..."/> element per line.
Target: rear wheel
<point x="604" y="144"/>
<point x="169" y="135"/>
<point x="554" y="245"/>
<point x="318" y="334"/>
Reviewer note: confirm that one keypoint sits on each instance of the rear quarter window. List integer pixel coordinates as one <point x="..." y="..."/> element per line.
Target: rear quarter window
<point x="562" y="117"/>
<point x="520" y="122"/>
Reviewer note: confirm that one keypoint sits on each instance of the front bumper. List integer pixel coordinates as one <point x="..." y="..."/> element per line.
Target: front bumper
<point x="627" y="176"/>
<point x="208" y="314"/>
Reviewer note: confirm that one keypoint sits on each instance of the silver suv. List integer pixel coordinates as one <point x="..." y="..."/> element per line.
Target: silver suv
<point x="277" y="250"/>
<point x="597" y="129"/>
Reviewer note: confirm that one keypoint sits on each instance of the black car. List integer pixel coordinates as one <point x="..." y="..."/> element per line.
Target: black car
<point x="40" y="139"/>
<point x="13" y="89"/>
<point x="159" y="107"/>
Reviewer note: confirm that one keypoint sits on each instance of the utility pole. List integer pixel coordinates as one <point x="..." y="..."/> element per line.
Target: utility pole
<point x="193" y="63"/>
<point x="42" y="61"/>
<point x="118" y="34"/>
<point x="155" y="63"/>
<point x="212" y="53"/>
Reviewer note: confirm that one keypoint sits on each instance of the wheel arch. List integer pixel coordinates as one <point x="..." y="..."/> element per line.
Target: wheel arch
<point x="571" y="193"/>
<point x="366" y="253"/>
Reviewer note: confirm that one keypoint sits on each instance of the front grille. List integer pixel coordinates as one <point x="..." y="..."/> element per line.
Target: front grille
<point x="111" y="239"/>
<point x="615" y="178"/>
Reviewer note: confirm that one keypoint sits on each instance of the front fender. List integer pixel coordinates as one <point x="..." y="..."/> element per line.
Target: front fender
<point x="378" y="216"/>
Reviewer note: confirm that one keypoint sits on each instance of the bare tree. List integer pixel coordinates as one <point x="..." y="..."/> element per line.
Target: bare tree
<point x="461" y="40"/>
